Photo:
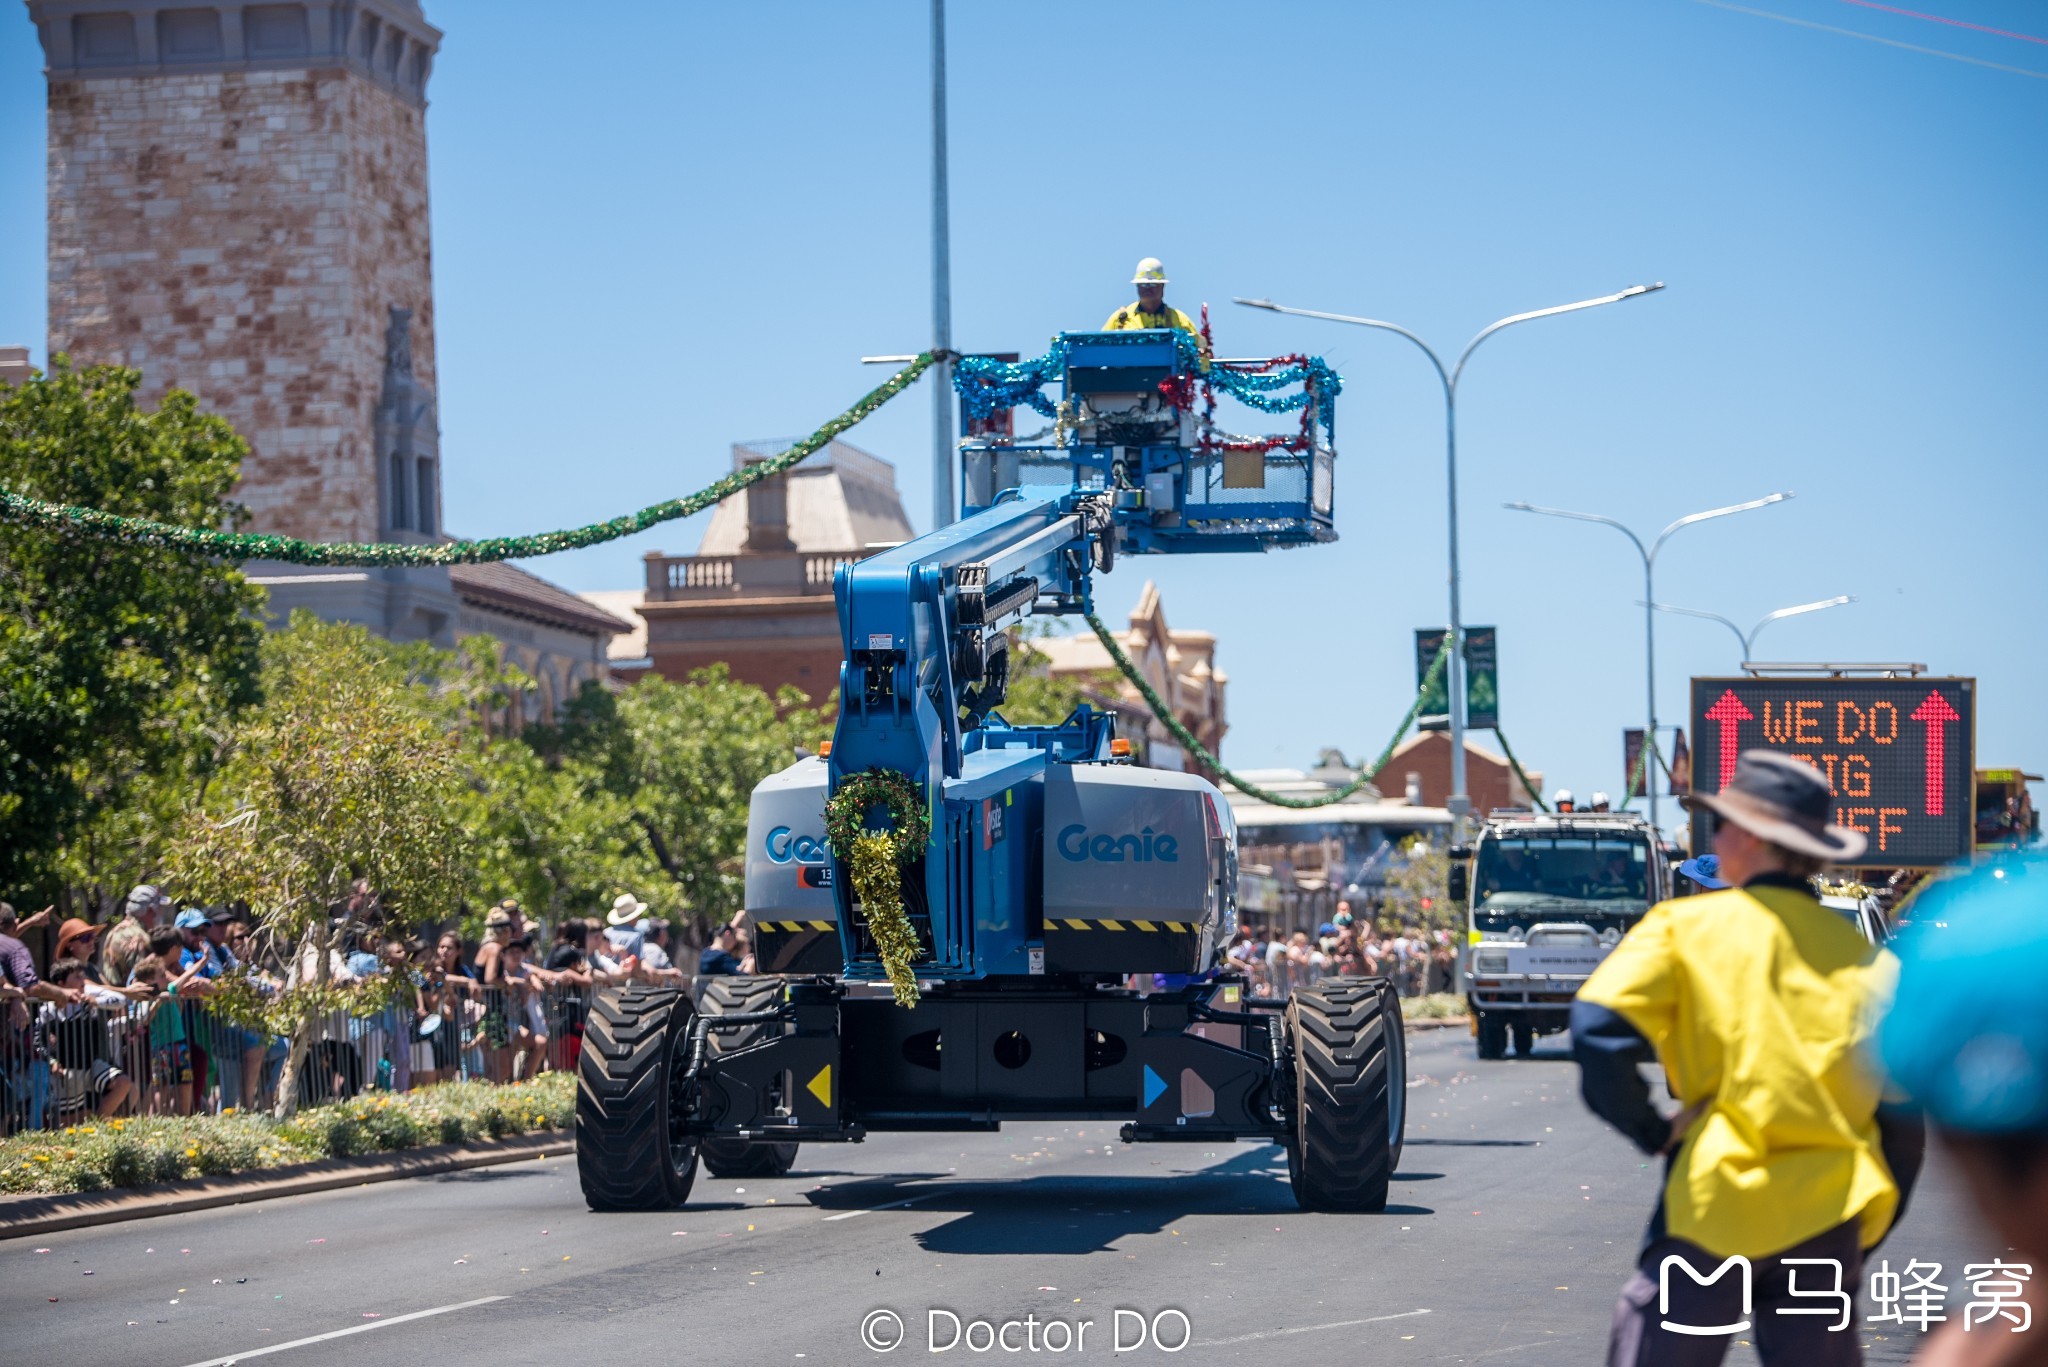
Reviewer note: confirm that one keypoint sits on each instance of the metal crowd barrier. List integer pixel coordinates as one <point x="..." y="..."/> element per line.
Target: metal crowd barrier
<point x="169" y="1056"/>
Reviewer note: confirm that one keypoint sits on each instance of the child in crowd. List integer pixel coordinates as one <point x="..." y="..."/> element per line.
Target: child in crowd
<point x="75" y="1037"/>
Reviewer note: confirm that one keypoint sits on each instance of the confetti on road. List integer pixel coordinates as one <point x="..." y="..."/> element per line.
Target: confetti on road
<point x="42" y="1250"/>
<point x="322" y="1241"/>
<point x="460" y="1261"/>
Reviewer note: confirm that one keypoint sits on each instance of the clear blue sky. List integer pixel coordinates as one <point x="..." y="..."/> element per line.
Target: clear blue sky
<point x="652" y="244"/>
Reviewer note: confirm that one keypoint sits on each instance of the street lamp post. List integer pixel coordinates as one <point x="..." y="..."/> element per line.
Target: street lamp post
<point x="1454" y="639"/>
<point x="1748" y="639"/>
<point x="942" y="288"/>
<point x="1649" y="598"/>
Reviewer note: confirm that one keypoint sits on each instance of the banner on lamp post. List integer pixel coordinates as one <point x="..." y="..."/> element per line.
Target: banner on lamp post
<point x="1482" y="680"/>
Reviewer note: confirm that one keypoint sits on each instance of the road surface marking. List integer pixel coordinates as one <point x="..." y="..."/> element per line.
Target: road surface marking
<point x="1306" y="1329"/>
<point x="849" y="1214"/>
<point x="344" y="1333"/>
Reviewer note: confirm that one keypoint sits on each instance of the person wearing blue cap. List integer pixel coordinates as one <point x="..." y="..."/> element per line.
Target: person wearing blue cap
<point x="1967" y="1039"/>
<point x="1760" y="1004"/>
<point x="1704" y="870"/>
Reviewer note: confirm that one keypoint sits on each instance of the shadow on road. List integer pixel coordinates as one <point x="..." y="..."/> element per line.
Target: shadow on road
<point x="1078" y="1214"/>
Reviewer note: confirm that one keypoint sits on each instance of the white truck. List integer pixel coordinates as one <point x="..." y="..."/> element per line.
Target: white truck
<point x="1548" y="897"/>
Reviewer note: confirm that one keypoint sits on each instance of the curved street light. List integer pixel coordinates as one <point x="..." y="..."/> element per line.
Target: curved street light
<point x="1649" y="555"/>
<point x="1748" y="638"/>
<point x="1454" y="670"/>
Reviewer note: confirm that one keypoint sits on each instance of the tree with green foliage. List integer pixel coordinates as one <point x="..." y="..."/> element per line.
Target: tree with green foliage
<point x="1418" y="889"/>
<point x="696" y="751"/>
<point x="349" y="770"/>
<point x="119" y="665"/>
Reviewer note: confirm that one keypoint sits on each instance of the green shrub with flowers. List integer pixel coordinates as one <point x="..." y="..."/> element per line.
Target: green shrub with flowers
<point x="100" y="1155"/>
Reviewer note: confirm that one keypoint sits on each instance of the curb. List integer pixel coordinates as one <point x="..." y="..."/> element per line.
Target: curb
<point x="21" y="1216"/>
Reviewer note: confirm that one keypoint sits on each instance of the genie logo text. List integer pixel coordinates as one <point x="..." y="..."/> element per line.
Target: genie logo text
<point x="1078" y="846"/>
<point x="785" y="846"/>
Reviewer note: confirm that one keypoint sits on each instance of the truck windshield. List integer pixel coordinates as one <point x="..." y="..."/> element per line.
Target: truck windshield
<point x="1598" y="876"/>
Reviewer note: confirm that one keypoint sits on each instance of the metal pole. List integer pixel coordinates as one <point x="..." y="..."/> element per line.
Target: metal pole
<point x="942" y="288"/>
<point x="1650" y="676"/>
<point x="1460" y="802"/>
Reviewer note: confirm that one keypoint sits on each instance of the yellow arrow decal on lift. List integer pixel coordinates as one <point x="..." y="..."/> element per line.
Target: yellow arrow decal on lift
<point x="821" y="1086"/>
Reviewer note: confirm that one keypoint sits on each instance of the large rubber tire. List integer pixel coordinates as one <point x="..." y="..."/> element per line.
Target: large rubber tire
<point x="1525" y="1039"/>
<point x="627" y="1154"/>
<point x="1350" y="1083"/>
<point x="1493" y="1035"/>
<point x="732" y="996"/>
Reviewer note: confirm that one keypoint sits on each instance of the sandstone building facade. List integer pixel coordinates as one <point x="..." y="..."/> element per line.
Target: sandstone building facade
<point x="238" y="207"/>
<point x="757" y="595"/>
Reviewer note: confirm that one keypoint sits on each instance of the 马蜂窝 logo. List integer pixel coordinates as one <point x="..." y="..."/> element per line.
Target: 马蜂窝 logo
<point x="785" y="846"/>
<point x="1078" y="846"/>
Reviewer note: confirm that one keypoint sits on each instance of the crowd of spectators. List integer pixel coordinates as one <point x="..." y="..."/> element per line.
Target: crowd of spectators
<point x="118" y="1019"/>
<point x="1347" y="946"/>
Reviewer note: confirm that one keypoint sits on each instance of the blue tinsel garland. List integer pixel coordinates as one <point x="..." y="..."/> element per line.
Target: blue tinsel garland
<point x="988" y="385"/>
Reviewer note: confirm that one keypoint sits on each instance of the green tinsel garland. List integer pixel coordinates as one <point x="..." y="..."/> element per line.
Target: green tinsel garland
<point x="140" y="531"/>
<point x="875" y="861"/>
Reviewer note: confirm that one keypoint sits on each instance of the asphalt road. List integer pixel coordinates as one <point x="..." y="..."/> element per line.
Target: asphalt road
<point x="1515" y="1219"/>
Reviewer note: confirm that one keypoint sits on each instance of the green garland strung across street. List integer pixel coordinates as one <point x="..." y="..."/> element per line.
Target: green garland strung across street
<point x="1187" y="737"/>
<point x="1516" y="765"/>
<point x="875" y="861"/>
<point x="138" y="531"/>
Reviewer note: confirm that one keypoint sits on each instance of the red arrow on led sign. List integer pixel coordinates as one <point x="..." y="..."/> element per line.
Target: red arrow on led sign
<point x="1730" y="712"/>
<point x="1937" y="713"/>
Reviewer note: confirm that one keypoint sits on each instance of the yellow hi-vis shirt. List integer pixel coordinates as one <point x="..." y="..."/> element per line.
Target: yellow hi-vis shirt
<point x="1761" y="1003"/>
<point x="1130" y="316"/>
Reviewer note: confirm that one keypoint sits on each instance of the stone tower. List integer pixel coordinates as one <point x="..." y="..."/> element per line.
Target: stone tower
<point x="238" y="207"/>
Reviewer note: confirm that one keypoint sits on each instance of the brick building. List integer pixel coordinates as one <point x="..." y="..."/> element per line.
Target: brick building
<point x="757" y="595"/>
<point x="238" y="207"/>
<point x="1426" y="757"/>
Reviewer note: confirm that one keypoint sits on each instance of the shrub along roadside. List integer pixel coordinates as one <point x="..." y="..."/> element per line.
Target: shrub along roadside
<point x="104" y="1154"/>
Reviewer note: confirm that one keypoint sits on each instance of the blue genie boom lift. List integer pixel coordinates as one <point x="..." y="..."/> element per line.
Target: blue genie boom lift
<point x="1055" y="870"/>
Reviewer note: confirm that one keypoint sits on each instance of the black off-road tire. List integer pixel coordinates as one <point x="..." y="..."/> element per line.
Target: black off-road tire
<point x="627" y="1154"/>
<point x="731" y="996"/>
<point x="1350" y="1085"/>
<point x="1525" y="1039"/>
<point x="1493" y="1035"/>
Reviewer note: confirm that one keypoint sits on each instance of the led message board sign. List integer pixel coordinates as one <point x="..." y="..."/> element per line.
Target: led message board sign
<point x="1899" y="754"/>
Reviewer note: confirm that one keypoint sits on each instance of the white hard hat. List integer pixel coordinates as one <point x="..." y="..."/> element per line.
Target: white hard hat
<point x="1150" y="272"/>
<point x="1562" y="795"/>
<point x="1599" y="798"/>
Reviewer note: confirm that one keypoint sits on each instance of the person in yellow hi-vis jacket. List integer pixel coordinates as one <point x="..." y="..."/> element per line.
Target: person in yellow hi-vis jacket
<point x="1782" y="1163"/>
<point x="1151" y="309"/>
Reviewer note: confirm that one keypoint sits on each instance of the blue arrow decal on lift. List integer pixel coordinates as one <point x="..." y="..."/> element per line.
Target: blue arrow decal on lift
<point x="1154" y="1085"/>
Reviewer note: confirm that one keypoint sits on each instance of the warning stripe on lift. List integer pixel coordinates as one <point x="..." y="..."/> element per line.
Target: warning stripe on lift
<point x="1073" y="923"/>
<point x="795" y="925"/>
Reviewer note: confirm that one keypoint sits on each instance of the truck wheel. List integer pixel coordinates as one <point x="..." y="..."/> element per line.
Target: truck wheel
<point x="630" y="1094"/>
<point x="1350" y="1093"/>
<point x="732" y="996"/>
<point x="1525" y="1039"/>
<point x="1493" y="1035"/>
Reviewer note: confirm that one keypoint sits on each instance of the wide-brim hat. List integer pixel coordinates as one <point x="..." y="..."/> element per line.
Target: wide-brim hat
<point x="74" y="929"/>
<point x="1785" y="801"/>
<point x="626" y="909"/>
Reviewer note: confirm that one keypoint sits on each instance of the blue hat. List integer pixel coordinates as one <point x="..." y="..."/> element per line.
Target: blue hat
<point x="1967" y="1036"/>
<point x="191" y="918"/>
<point x="1327" y="928"/>
<point x="1705" y="870"/>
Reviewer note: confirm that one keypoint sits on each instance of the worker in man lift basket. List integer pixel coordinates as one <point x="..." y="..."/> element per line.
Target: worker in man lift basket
<point x="1761" y="1005"/>
<point x="1151" y="309"/>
